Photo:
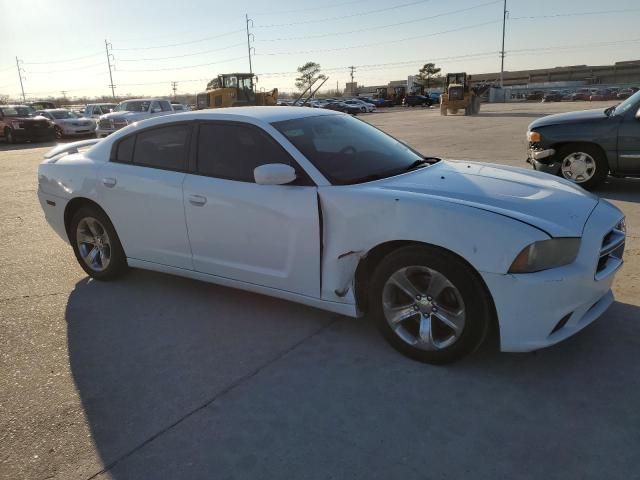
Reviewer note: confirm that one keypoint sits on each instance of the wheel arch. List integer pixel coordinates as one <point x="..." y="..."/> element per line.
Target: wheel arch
<point x="73" y="206"/>
<point x="559" y="145"/>
<point x="368" y="263"/>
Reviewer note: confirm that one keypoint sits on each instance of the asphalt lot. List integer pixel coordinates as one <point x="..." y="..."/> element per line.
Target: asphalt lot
<point x="160" y="377"/>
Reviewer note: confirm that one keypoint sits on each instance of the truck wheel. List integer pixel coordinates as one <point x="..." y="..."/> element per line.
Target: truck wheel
<point x="443" y="110"/>
<point x="475" y="104"/>
<point x="583" y="164"/>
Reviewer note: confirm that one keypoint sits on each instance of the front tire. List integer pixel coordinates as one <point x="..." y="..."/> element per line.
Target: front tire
<point x="585" y="165"/>
<point x="429" y="304"/>
<point x="8" y="136"/>
<point x="96" y="244"/>
<point x="58" y="133"/>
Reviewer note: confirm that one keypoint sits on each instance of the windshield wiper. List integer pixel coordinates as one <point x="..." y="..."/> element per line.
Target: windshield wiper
<point x="421" y="162"/>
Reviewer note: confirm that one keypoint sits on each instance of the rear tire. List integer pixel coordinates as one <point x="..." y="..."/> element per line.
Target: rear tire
<point x="96" y="244"/>
<point x="8" y="136"/>
<point x="584" y="165"/>
<point x="439" y="314"/>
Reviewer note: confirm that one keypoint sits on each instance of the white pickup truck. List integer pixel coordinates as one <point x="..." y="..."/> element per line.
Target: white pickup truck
<point x="131" y="111"/>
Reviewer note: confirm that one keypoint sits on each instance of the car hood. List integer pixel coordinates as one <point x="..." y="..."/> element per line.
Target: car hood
<point x="553" y="205"/>
<point x="570" y="117"/>
<point x="131" y="116"/>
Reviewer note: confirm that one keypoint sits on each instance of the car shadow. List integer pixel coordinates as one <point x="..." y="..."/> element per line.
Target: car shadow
<point x="623" y="189"/>
<point x="150" y="350"/>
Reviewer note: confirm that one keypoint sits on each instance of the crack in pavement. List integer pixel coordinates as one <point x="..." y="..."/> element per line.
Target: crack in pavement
<point x="232" y="386"/>
<point x="21" y="297"/>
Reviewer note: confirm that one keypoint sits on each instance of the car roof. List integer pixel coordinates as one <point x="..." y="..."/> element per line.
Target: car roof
<point x="55" y="110"/>
<point x="266" y="114"/>
<point x="150" y="99"/>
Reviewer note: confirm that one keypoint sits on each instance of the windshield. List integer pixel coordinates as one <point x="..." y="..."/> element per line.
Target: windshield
<point x="628" y="103"/>
<point x="136" y="106"/>
<point x="62" y="114"/>
<point x="347" y="150"/>
<point x="18" y="111"/>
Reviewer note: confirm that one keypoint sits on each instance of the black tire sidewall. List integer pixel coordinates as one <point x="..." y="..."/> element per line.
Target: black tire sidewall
<point x="602" y="166"/>
<point x="465" y="279"/>
<point x="118" y="263"/>
<point x="8" y="136"/>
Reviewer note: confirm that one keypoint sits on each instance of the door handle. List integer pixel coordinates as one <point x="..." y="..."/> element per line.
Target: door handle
<point x="109" y="182"/>
<point x="197" y="200"/>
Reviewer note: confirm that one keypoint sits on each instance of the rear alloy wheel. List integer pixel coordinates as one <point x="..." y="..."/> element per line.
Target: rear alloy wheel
<point x="429" y="304"/>
<point x="96" y="244"/>
<point x="583" y="164"/>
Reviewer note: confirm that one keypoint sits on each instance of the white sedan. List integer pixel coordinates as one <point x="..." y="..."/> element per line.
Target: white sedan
<point x="321" y="208"/>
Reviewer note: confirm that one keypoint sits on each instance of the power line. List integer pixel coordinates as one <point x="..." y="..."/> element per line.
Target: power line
<point x="182" y="43"/>
<point x="359" y="14"/>
<point x="83" y="67"/>
<point x="323" y="7"/>
<point x="576" y="14"/>
<point x="378" y="27"/>
<point x="183" y="66"/>
<point x="180" y="56"/>
<point x="64" y="61"/>
<point x="386" y="42"/>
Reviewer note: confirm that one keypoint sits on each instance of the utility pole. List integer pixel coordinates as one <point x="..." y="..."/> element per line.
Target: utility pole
<point x="352" y="68"/>
<point x="247" y="20"/>
<point x="107" y="46"/>
<point x="20" y="72"/>
<point x="64" y="93"/>
<point x="502" y="53"/>
<point x="174" y="87"/>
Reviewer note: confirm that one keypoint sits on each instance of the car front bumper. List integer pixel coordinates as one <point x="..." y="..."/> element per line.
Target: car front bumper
<point x="543" y="160"/>
<point x="536" y="310"/>
<point x="34" y="134"/>
<point x="79" y="130"/>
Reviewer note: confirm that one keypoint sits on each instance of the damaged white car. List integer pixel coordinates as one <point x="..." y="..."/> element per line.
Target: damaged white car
<point x="323" y="209"/>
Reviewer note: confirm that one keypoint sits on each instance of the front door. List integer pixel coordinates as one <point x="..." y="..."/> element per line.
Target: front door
<point x="141" y="191"/>
<point x="629" y="142"/>
<point x="265" y="235"/>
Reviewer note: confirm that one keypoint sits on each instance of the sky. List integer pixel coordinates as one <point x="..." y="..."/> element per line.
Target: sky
<point x="61" y="44"/>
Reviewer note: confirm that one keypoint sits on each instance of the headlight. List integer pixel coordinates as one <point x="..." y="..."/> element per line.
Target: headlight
<point x="622" y="226"/>
<point x="17" y="125"/>
<point x="546" y="254"/>
<point x="534" y="136"/>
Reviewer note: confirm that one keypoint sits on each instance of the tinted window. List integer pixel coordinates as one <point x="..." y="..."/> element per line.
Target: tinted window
<point x="347" y="150"/>
<point x="124" y="151"/>
<point x="165" y="106"/>
<point x="233" y="151"/>
<point x="163" y="147"/>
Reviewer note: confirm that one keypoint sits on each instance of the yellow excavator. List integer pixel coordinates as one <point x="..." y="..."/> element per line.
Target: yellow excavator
<point x="459" y="95"/>
<point x="234" y="90"/>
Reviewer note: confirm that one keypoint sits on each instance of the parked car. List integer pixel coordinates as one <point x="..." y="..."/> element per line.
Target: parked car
<point x="553" y="96"/>
<point x="179" y="107"/>
<point x="412" y="100"/>
<point x="41" y="105"/>
<point x="20" y="123"/>
<point x="343" y="107"/>
<point x="583" y="94"/>
<point x="319" y="208"/>
<point x="435" y="97"/>
<point x="626" y="93"/>
<point x="68" y="123"/>
<point x="131" y="111"/>
<point x="364" y="107"/>
<point x="96" y="110"/>
<point x="584" y="147"/>
<point x="603" y="95"/>
<point x="535" y="96"/>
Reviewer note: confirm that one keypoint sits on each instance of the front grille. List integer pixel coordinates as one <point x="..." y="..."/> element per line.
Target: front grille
<point x="105" y="123"/>
<point x="120" y="124"/>
<point x="611" y="252"/>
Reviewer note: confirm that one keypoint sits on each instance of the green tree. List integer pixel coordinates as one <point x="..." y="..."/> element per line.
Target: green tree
<point x="426" y="73"/>
<point x="309" y="72"/>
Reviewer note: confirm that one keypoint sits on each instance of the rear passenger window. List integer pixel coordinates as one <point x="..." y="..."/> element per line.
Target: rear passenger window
<point x="125" y="149"/>
<point x="164" y="147"/>
<point x="232" y="152"/>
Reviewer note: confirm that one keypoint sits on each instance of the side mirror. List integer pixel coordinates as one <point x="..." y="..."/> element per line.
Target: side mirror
<point x="638" y="114"/>
<point x="274" y="174"/>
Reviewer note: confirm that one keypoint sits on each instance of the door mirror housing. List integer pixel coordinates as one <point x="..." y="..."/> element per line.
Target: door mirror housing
<point x="274" y="174"/>
<point x="638" y="114"/>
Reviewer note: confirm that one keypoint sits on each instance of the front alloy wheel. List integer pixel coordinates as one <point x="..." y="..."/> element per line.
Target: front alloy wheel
<point x="423" y="308"/>
<point x="583" y="164"/>
<point x="429" y="304"/>
<point x="578" y="167"/>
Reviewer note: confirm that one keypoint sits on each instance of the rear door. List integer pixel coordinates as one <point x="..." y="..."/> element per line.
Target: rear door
<point x="140" y="188"/>
<point x="629" y="142"/>
<point x="266" y="235"/>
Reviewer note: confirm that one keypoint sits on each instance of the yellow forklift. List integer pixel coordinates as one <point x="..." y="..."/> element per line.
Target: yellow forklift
<point x="234" y="90"/>
<point x="459" y="95"/>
